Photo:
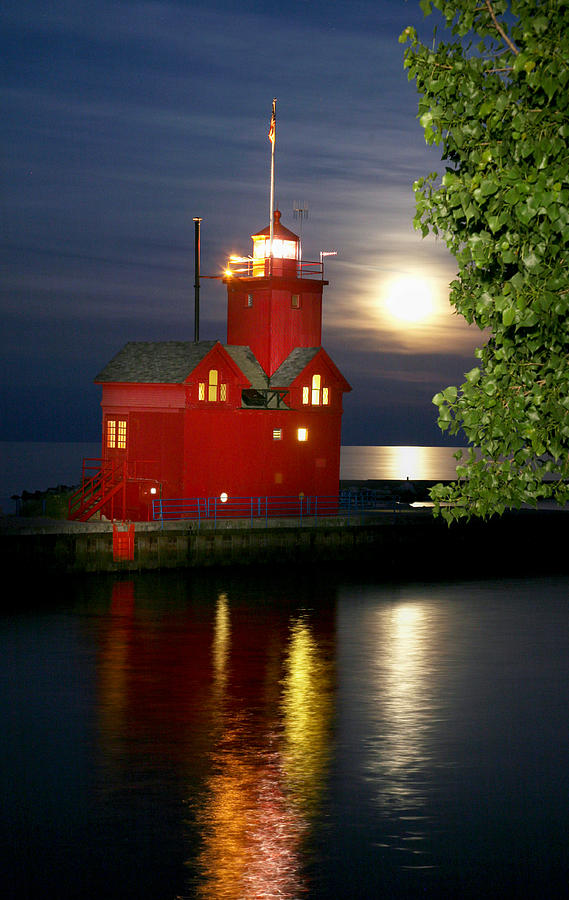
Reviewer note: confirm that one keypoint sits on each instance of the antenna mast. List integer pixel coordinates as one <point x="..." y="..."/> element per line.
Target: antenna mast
<point x="300" y="212"/>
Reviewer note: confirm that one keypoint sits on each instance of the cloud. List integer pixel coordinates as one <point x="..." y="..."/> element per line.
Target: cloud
<point x="122" y="120"/>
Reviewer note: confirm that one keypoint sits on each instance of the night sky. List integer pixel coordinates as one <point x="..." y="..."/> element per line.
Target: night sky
<point x="122" y="120"/>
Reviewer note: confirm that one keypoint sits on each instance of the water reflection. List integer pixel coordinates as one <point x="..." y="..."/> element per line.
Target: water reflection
<point x="407" y="712"/>
<point x="170" y="737"/>
<point x="307" y="712"/>
<point x="398" y="463"/>
<point x="268" y="764"/>
<point x="221" y="644"/>
<point x="113" y="660"/>
<point x="242" y="698"/>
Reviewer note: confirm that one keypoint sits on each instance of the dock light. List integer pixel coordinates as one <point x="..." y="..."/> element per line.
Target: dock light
<point x="153" y="490"/>
<point x="302" y="434"/>
<point x="223" y="497"/>
<point x="228" y="273"/>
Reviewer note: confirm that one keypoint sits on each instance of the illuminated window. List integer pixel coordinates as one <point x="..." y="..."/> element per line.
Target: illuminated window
<point x="201" y="390"/>
<point x="223" y="392"/>
<point x="116" y="434"/>
<point x="121" y="436"/>
<point x="295" y="301"/>
<point x="212" y="387"/>
<point x="316" y="381"/>
<point x="302" y="434"/>
<point x="316" y="394"/>
<point x="277" y="434"/>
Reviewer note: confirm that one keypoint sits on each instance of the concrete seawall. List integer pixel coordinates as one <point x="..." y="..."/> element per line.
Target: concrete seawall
<point x="408" y="544"/>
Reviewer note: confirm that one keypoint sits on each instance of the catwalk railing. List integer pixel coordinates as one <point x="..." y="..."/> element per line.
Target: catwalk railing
<point x="248" y="267"/>
<point x="256" y="509"/>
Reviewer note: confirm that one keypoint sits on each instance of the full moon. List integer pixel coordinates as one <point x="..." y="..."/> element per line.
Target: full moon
<point x="410" y="299"/>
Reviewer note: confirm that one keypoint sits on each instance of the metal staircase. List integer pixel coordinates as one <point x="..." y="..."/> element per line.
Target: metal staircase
<point x="98" y="489"/>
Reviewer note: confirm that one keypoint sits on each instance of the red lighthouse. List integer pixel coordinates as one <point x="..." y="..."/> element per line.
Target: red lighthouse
<point x="257" y="416"/>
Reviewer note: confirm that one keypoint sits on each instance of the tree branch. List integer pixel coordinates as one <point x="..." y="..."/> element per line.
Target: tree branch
<point x="499" y="28"/>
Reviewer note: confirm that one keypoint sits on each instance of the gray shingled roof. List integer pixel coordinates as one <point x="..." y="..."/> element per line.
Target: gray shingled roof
<point x="153" y="362"/>
<point x="170" y="362"/>
<point x="247" y="362"/>
<point x="292" y="366"/>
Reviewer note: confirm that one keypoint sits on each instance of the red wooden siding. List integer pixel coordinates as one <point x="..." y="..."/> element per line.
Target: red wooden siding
<point x="271" y="326"/>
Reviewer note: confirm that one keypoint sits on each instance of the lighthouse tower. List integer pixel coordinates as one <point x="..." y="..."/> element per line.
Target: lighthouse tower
<point x="273" y="304"/>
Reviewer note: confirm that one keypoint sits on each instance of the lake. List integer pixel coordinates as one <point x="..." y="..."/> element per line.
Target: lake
<point x="39" y="466"/>
<point x="290" y="735"/>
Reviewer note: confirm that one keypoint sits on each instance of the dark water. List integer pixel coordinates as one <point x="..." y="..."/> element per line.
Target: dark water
<point x="292" y="736"/>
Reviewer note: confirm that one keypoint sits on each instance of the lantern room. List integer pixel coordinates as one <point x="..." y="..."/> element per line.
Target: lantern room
<point x="280" y="258"/>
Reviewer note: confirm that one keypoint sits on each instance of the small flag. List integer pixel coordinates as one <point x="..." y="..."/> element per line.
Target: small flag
<point x="273" y="124"/>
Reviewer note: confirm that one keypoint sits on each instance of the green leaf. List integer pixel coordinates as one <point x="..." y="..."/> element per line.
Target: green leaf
<point x="501" y="118"/>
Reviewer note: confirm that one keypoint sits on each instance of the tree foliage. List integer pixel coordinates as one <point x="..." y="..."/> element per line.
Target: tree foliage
<point x="495" y="98"/>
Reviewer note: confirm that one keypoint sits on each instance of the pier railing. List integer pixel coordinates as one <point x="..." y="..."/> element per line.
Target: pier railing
<point x="258" y="509"/>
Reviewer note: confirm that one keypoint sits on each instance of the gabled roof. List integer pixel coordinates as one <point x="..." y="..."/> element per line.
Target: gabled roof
<point x="293" y="365"/>
<point x="171" y="362"/>
<point x="153" y="362"/>
<point x="297" y="361"/>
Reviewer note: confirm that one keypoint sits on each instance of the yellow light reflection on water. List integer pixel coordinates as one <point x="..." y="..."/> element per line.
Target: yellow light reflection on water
<point x="307" y="712"/>
<point x="267" y="770"/>
<point x="221" y="642"/>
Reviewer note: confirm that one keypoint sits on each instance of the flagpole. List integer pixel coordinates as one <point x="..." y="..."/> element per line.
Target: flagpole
<point x="272" y="137"/>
